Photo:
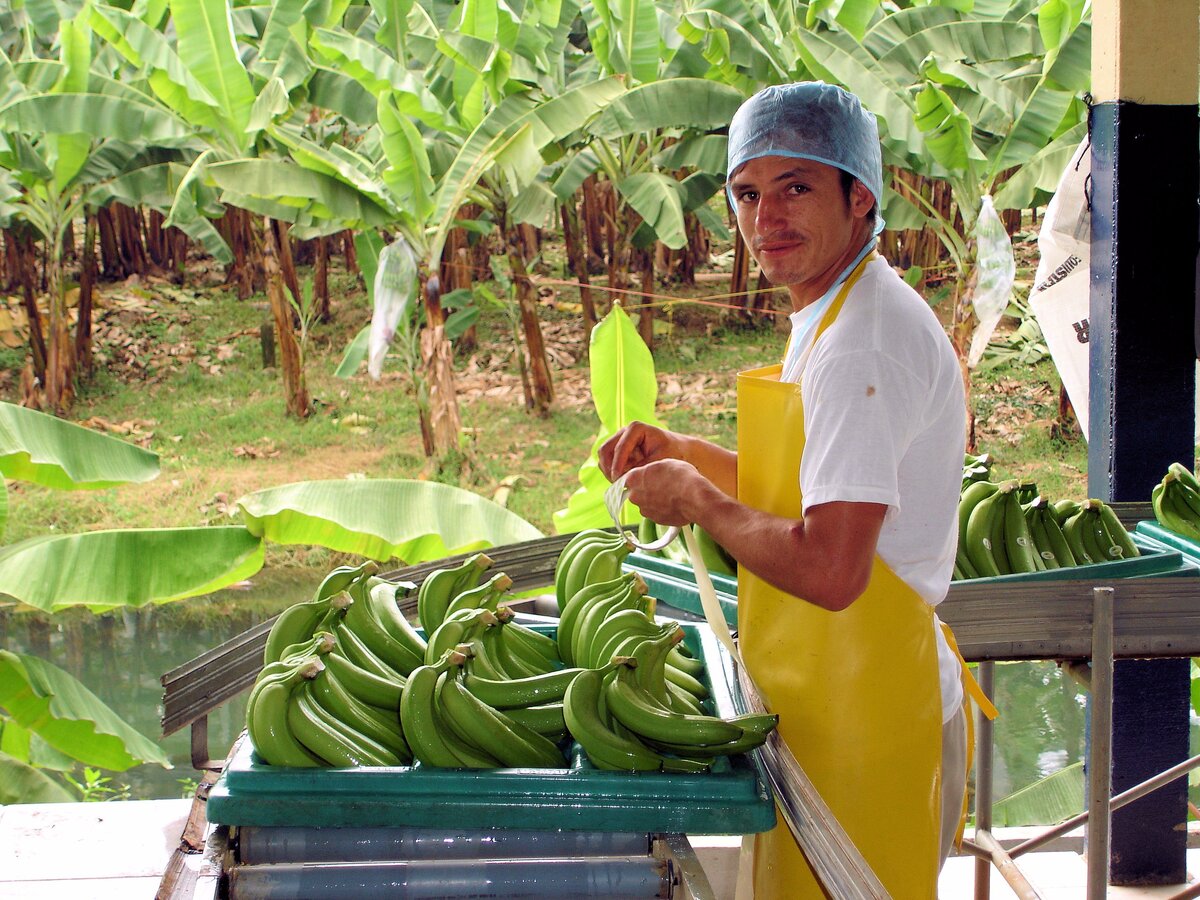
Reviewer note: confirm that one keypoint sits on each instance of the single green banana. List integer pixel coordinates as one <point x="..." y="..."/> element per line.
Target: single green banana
<point x="605" y="748"/>
<point x="537" y="648"/>
<point x="546" y="719"/>
<point x="578" y="604"/>
<point x="650" y="665"/>
<point x="1117" y="532"/>
<point x="514" y="745"/>
<point x="689" y="683"/>
<point x="716" y="558"/>
<point x="1018" y="542"/>
<point x="751" y="738"/>
<point x="689" y="664"/>
<point x="483" y="596"/>
<point x="1185" y="475"/>
<point x="294" y="625"/>
<point x="266" y="719"/>
<point x="441" y="586"/>
<point x="366" y="686"/>
<point x="533" y="691"/>
<point x="971" y="497"/>
<point x="330" y="740"/>
<point x="329" y="693"/>
<point x="512" y="665"/>
<point x="1190" y="499"/>
<point x="641" y="714"/>
<point x="1064" y="509"/>
<point x="647" y="534"/>
<point x="1036" y="516"/>
<point x="382" y="597"/>
<point x="341" y="578"/>
<point x="481" y="660"/>
<point x="979" y="534"/>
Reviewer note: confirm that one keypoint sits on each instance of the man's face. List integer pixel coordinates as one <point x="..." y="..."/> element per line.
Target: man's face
<point x="794" y="217"/>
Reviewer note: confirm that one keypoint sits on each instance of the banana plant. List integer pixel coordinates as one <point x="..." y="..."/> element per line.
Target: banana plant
<point x="66" y="131"/>
<point x="49" y="722"/>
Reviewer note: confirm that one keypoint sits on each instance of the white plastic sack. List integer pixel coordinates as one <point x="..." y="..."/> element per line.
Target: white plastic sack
<point x="393" y="292"/>
<point x="1060" y="298"/>
<point x="995" y="272"/>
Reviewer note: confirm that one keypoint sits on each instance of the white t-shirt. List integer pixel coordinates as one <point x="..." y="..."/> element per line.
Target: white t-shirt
<point x="885" y="422"/>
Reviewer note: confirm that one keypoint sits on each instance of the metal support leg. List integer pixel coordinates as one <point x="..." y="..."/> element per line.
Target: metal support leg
<point x="1100" y="757"/>
<point x="983" y="781"/>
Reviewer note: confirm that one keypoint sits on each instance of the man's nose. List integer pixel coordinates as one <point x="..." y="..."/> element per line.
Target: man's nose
<point x="769" y="214"/>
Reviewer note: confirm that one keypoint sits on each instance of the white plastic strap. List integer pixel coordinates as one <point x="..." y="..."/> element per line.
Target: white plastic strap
<point x="614" y="499"/>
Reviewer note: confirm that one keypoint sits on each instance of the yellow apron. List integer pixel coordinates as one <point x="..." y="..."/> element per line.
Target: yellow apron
<point x="857" y="691"/>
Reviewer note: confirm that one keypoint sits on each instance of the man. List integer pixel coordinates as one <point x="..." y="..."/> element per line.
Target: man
<point x="840" y="506"/>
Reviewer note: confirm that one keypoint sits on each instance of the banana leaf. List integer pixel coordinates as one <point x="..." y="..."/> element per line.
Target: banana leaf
<point x="22" y="783"/>
<point x="1042" y="172"/>
<point x="97" y="115"/>
<point x="695" y="103"/>
<point x="657" y="199"/>
<point x="273" y="183"/>
<point x="1053" y="799"/>
<point x="207" y="47"/>
<point x="624" y="389"/>
<point x="70" y="718"/>
<point x="106" y="570"/>
<point x="49" y="451"/>
<point x="382" y="518"/>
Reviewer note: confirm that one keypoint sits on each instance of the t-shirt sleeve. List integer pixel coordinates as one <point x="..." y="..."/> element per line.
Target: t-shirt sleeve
<point x="860" y="409"/>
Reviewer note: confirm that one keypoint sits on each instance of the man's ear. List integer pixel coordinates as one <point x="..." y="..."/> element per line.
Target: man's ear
<point x="861" y="199"/>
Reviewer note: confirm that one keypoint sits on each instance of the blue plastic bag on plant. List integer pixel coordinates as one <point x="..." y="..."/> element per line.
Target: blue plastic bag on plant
<point x="394" y="289"/>
<point x="995" y="272"/>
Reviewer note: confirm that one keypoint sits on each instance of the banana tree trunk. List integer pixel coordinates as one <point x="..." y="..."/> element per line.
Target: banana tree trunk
<point x="287" y="262"/>
<point x="59" y="368"/>
<point x="349" y="253"/>
<point x="593" y="222"/>
<point x="645" y="259"/>
<point x="245" y="270"/>
<point x="87" y="282"/>
<point x="25" y="270"/>
<point x="298" y="403"/>
<point x="540" y="392"/>
<point x="129" y="239"/>
<point x="577" y="261"/>
<point x="110" y="254"/>
<point x="739" y="279"/>
<point x="321" y="279"/>
<point x="437" y="398"/>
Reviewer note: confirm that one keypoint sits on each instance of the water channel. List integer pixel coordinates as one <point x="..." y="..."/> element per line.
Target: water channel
<point x="121" y="657"/>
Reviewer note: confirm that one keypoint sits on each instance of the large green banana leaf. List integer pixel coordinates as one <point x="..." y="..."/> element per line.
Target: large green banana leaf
<point x="656" y="197"/>
<point x="105" y="570"/>
<point x="693" y="103"/>
<point x="75" y="48"/>
<point x="70" y="718"/>
<point x="277" y="183"/>
<point x="49" y="451"/>
<point x="1053" y="799"/>
<point x="22" y="783"/>
<point x="624" y="389"/>
<point x="98" y="115"/>
<point x="382" y="518"/>
<point x="1042" y="172"/>
<point x="207" y="47"/>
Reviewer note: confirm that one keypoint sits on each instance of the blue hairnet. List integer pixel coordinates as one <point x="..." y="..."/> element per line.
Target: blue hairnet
<point x="809" y="120"/>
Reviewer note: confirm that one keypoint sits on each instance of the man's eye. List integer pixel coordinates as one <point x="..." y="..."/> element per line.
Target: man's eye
<point x="798" y="188"/>
<point x="747" y="196"/>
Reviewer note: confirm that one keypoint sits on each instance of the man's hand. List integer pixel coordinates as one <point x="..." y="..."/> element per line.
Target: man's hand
<point x="669" y="491"/>
<point x="637" y="444"/>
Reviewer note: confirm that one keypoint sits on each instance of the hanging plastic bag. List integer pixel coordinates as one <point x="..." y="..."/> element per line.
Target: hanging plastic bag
<point x="1061" y="295"/>
<point x="394" y="289"/>
<point x="995" y="272"/>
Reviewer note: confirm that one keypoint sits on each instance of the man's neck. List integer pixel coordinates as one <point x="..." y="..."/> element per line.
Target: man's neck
<point x="807" y="293"/>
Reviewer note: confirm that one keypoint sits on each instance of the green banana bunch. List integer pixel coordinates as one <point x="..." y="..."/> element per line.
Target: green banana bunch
<point x="590" y="619"/>
<point x="383" y="727"/>
<point x="267" y="712"/>
<point x="375" y="620"/>
<point x="614" y="590"/>
<point x="425" y="731"/>
<point x="330" y="739"/>
<point x="341" y="578"/>
<point x="976" y="468"/>
<point x="590" y="556"/>
<point x="539" y="650"/>
<point x="1064" y="509"/>
<point x="972" y="495"/>
<point x="983" y="537"/>
<point x="301" y="621"/>
<point x="616" y="628"/>
<point x="605" y="746"/>
<point x="512" y="743"/>
<point x="1048" y="538"/>
<point x="1095" y="535"/>
<point x="1176" y="502"/>
<point x="443" y="585"/>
